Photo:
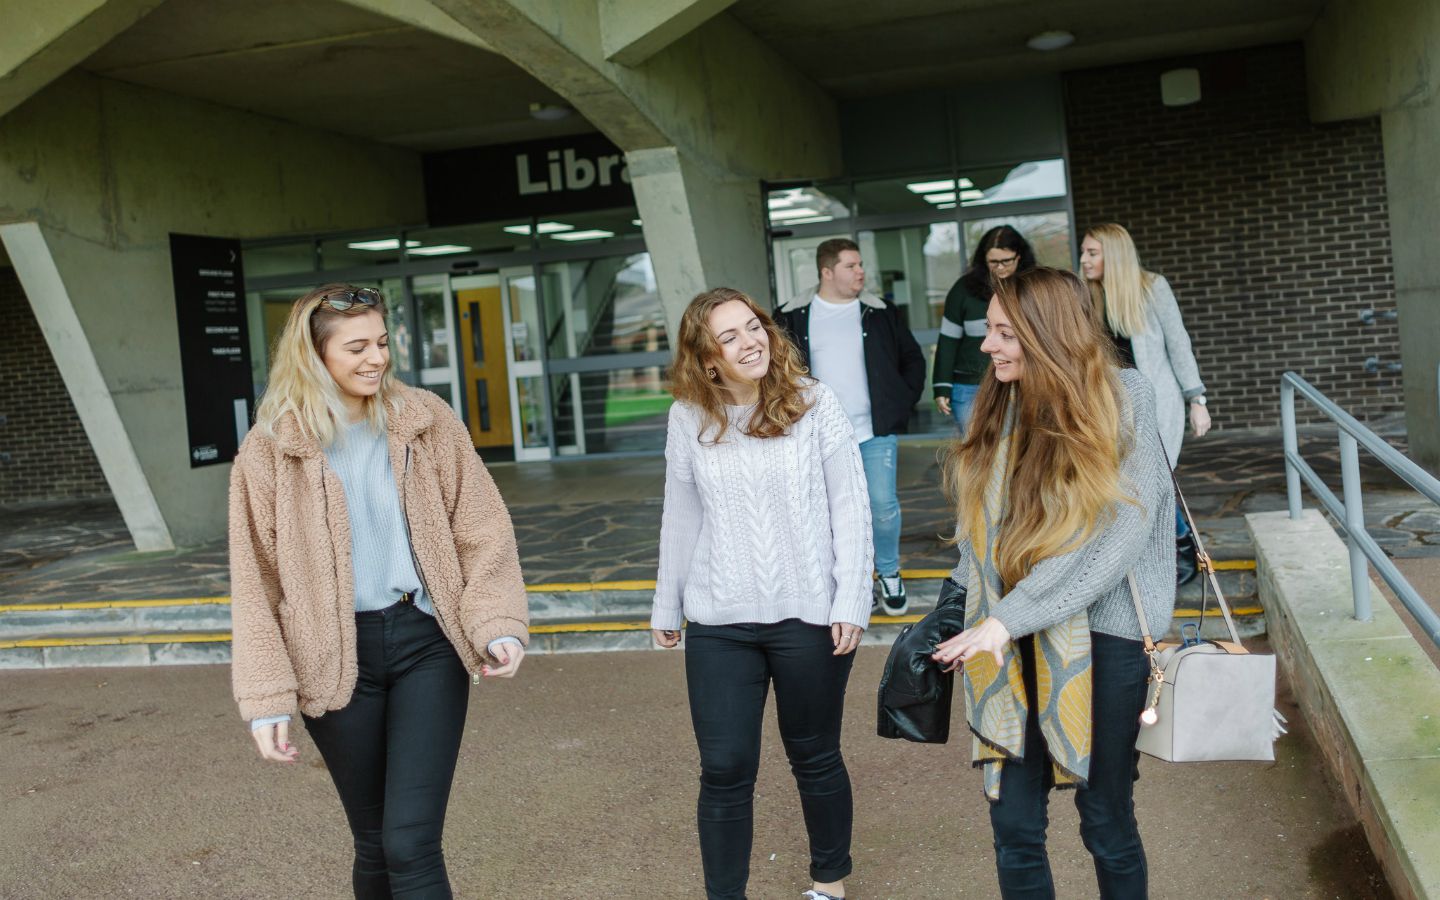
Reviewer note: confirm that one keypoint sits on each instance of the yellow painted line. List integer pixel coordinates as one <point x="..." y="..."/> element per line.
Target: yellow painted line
<point x="198" y="638"/>
<point x="1234" y="565"/>
<point x="1214" y="613"/>
<point x="589" y="627"/>
<point x="578" y="586"/>
<point x="113" y="604"/>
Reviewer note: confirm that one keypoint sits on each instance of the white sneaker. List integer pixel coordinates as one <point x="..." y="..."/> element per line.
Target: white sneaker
<point x="893" y="600"/>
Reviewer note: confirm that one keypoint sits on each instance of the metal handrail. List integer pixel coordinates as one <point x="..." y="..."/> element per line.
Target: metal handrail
<point x="1351" y="512"/>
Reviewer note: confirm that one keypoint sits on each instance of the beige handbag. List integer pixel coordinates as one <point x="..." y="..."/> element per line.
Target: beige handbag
<point x="1209" y="700"/>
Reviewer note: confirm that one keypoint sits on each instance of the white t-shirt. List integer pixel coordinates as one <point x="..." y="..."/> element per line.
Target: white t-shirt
<point x="837" y="359"/>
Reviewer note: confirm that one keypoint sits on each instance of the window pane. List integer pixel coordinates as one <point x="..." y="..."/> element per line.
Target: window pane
<point x="803" y="205"/>
<point x="913" y="194"/>
<point x="795" y="264"/>
<point x="1048" y="233"/>
<point x="620" y="410"/>
<point x="597" y="307"/>
<point x="281" y="259"/>
<point x="914" y="268"/>
<point x="584" y="229"/>
<point x="457" y="241"/>
<point x="530" y="392"/>
<point x="1004" y="184"/>
<point x="358" y="252"/>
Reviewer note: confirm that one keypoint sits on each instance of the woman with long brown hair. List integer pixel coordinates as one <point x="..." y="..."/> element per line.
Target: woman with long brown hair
<point x="374" y="575"/>
<point x="1064" y="506"/>
<point x="765" y="550"/>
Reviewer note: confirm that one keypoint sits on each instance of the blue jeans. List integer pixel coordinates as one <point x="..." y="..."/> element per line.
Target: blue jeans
<point x="880" y="456"/>
<point x="1106" y="804"/>
<point x="728" y="672"/>
<point x="1181" y="527"/>
<point x="962" y="400"/>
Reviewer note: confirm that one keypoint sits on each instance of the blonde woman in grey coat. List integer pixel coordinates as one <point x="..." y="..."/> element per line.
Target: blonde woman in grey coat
<point x="1141" y="314"/>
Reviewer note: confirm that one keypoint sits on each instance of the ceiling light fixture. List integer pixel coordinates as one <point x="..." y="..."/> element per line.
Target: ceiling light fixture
<point x="927" y="187"/>
<point x="542" y="228"/>
<point x="437" y="250"/>
<point x="1050" y="40"/>
<point x="794" y="212"/>
<point x="550" y="112"/>
<point x="594" y="234"/>
<point x="384" y="244"/>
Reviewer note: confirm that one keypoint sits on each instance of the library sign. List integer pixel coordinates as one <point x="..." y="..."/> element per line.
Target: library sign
<point x="536" y="178"/>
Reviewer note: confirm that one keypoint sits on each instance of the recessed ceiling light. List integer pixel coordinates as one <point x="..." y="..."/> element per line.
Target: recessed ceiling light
<point x="1050" y="40"/>
<point x="550" y="112"/>
<point x="808" y="219"/>
<point x="542" y="228"/>
<point x="797" y="212"/>
<point x="594" y="234"/>
<point x="384" y="244"/>
<point x="945" y="206"/>
<point x="437" y="250"/>
<point x="947" y="197"/>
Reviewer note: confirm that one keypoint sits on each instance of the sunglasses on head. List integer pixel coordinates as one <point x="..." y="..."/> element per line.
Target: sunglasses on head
<point x="343" y="300"/>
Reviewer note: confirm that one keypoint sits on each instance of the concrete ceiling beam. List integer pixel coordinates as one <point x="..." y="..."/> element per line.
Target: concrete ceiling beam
<point x="424" y="15"/>
<point x="44" y="39"/>
<point x="632" y="31"/>
<point x="1364" y="57"/>
<point x="764" y="119"/>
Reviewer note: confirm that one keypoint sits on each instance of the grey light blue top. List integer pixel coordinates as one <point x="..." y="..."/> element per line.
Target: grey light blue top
<point x="380" y="556"/>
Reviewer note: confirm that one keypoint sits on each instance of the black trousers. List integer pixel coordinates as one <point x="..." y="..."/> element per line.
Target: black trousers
<point x="728" y="669"/>
<point x="1106" y="805"/>
<point x="392" y="752"/>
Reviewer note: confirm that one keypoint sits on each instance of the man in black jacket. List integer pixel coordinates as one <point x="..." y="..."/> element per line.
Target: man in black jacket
<point x="861" y="348"/>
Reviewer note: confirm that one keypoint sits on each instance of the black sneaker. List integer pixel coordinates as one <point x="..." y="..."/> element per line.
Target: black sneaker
<point x="892" y="598"/>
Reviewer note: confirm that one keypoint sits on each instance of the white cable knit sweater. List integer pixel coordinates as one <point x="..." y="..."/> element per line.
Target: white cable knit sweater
<point x="764" y="529"/>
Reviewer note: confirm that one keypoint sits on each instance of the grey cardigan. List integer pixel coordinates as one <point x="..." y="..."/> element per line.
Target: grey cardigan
<point x="1139" y="539"/>
<point x="1163" y="355"/>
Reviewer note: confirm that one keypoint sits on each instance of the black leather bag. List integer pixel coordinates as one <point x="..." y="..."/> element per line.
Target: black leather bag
<point x="915" y="695"/>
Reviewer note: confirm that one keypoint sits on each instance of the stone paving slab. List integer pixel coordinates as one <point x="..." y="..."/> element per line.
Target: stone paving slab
<point x="78" y="552"/>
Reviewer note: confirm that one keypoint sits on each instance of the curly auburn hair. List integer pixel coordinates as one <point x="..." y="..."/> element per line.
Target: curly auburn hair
<point x="781" y="400"/>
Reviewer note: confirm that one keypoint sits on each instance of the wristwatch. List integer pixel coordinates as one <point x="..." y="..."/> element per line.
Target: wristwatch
<point x="1200" y="400"/>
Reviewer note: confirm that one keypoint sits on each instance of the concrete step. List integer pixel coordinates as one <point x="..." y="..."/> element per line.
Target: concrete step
<point x="565" y="618"/>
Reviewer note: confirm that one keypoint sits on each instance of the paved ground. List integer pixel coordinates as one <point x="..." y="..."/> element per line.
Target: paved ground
<point x="577" y="780"/>
<point x="599" y="520"/>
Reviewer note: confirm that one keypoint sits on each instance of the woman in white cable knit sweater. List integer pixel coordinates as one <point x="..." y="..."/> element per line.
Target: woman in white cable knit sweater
<point x="765" y="549"/>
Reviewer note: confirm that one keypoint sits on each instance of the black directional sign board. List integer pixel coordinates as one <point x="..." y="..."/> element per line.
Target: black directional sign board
<point x="214" y="345"/>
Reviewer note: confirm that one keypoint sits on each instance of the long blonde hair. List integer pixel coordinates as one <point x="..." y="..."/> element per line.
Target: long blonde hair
<point x="299" y="382"/>
<point x="781" y="401"/>
<point x="1124" y="288"/>
<point x="1065" y="443"/>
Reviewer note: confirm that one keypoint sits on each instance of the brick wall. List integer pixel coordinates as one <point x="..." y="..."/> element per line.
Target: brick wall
<point x="44" y="453"/>
<point x="1272" y="230"/>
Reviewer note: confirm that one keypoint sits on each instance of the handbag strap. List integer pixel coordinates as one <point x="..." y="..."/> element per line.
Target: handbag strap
<point x="1203" y="560"/>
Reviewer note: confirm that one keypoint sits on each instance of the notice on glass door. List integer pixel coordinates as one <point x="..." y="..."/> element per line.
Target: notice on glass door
<point x="214" y="345"/>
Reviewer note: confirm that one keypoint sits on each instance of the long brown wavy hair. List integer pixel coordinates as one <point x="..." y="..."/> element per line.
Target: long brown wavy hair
<point x="782" y="400"/>
<point x="1066" y="444"/>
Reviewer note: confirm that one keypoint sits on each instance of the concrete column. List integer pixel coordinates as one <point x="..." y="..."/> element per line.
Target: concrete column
<point x="1412" y="145"/>
<point x="702" y="232"/>
<point x="55" y="313"/>
<point x="1379" y="57"/>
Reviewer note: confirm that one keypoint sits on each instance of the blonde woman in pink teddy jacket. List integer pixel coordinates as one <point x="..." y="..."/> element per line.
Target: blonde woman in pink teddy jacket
<point x="374" y="575"/>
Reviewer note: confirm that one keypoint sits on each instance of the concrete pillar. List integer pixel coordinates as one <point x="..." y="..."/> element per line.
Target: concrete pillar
<point x="1412" y="146"/>
<point x="632" y="31"/>
<point x="95" y="404"/>
<point x="1382" y="57"/>
<point x="702" y="232"/>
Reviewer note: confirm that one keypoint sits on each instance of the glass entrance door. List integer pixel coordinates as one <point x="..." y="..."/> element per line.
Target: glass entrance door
<point x="524" y="330"/>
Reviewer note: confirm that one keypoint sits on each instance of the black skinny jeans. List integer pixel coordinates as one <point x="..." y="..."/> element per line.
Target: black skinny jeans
<point x="392" y="751"/>
<point x="1119" y="671"/>
<point x="728" y="669"/>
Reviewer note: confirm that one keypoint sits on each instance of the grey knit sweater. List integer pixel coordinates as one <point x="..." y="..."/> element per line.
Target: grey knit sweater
<point x="764" y="529"/>
<point x="1139" y="539"/>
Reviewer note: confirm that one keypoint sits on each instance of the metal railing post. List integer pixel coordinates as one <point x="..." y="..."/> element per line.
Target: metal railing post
<point x="1354" y="524"/>
<point x="1292" y="446"/>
